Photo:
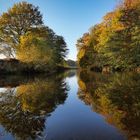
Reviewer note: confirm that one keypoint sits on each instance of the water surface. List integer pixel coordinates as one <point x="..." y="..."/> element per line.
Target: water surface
<point x="70" y="106"/>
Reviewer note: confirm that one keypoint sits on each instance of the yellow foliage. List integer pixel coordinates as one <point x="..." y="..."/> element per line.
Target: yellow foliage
<point x="33" y="49"/>
<point x="81" y="53"/>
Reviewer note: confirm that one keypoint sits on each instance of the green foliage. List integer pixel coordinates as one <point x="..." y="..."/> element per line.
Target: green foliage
<point x="23" y="35"/>
<point x="35" y="50"/>
<point x="115" y="41"/>
<point x="17" y="21"/>
<point x="42" y="48"/>
<point x="71" y="63"/>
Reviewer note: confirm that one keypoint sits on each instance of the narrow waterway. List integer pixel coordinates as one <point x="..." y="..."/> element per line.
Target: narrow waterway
<point x="70" y="106"/>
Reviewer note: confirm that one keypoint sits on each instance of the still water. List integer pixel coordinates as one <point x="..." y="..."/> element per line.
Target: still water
<point x="70" y="106"/>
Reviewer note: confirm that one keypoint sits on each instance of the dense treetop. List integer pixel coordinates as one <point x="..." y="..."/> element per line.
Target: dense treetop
<point x="115" y="42"/>
<point x="24" y="36"/>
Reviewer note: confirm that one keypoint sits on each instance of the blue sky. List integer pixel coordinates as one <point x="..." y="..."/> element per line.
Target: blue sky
<point x="69" y="18"/>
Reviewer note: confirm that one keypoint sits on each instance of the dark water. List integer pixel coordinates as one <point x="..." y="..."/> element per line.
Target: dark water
<point x="70" y="106"/>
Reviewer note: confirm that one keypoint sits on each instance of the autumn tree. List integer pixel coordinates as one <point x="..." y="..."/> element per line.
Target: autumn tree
<point x="115" y="41"/>
<point x="23" y="35"/>
<point x="16" y="22"/>
<point x="41" y="48"/>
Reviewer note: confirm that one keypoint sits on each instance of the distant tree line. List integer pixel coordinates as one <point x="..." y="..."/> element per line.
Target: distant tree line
<point x="24" y="36"/>
<point x="115" y="42"/>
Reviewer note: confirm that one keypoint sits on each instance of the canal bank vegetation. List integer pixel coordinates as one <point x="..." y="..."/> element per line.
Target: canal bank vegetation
<point x="113" y="44"/>
<point x="28" y="43"/>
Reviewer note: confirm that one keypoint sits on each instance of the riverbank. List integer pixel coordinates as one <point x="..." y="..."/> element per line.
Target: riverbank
<point x="108" y="69"/>
<point x="14" y="66"/>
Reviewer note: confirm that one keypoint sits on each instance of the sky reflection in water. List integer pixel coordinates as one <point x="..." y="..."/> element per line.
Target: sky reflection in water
<point x="71" y="106"/>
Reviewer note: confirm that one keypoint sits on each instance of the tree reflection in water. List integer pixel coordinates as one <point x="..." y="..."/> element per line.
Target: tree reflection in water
<point x="23" y="110"/>
<point x="115" y="96"/>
